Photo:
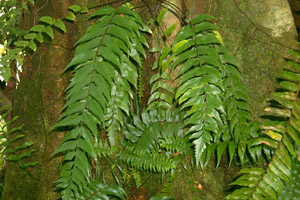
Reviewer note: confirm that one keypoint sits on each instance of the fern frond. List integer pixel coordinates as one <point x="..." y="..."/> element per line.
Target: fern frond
<point x="128" y="80"/>
<point x="118" y="108"/>
<point x="200" y="78"/>
<point x="236" y="104"/>
<point x="209" y="90"/>
<point x="96" y="190"/>
<point x="167" y="186"/>
<point x="143" y="149"/>
<point x="8" y="138"/>
<point x="268" y="183"/>
<point x="176" y="144"/>
<point x="291" y="190"/>
<point x="109" y="48"/>
<point x="140" y="85"/>
<point x="146" y="132"/>
<point x="162" y="93"/>
<point x="137" y="178"/>
<point x="141" y="159"/>
<point x="200" y="86"/>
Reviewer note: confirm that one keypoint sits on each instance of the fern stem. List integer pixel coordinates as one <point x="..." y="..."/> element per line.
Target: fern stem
<point x="97" y="51"/>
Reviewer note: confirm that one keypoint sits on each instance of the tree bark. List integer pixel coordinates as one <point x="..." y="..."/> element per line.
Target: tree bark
<point x="38" y="101"/>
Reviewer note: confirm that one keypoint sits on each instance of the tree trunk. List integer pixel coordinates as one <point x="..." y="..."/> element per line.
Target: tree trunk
<point x="38" y="101"/>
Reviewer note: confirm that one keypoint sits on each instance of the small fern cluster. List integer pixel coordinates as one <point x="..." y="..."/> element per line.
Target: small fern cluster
<point x="146" y="147"/>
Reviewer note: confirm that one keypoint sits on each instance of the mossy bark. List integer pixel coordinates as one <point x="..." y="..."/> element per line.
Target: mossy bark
<point x="37" y="101"/>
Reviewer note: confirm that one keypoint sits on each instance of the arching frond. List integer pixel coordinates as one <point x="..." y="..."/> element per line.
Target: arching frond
<point x="258" y="183"/>
<point x="209" y="90"/>
<point x="104" y="60"/>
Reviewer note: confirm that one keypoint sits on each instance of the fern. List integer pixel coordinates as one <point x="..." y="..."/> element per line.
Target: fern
<point x="237" y="106"/>
<point x="96" y="190"/>
<point x="214" y="112"/>
<point x="143" y="150"/>
<point x="162" y="93"/>
<point x="291" y="190"/>
<point x="167" y="186"/>
<point x="131" y="173"/>
<point x="176" y="144"/>
<point x="209" y="90"/>
<point x="9" y="139"/>
<point x="107" y="50"/>
<point x="118" y="107"/>
<point x="258" y="183"/>
<point x="141" y="159"/>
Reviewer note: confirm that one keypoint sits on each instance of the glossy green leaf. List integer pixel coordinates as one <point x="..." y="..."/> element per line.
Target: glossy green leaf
<point x="59" y="24"/>
<point x="84" y="10"/>
<point x="75" y="8"/>
<point x="38" y="28"/>
<point x="49" y="32"/>
<point x="161" y="16"/>
<point x="21" y="43"/>
<point x="32" y="45"/>
<point x="70" y="16"/>
<point x="47" y="19"/>
<point x="30" y="36"/>
<point x="220" y="150"/>
<point x="170" y="30"/>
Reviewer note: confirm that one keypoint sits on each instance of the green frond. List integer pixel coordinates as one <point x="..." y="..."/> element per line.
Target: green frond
<point x="118" y="108"/>
<point x="291" y="190"/>
<point x="96" y="190"/>
<point x="147" y="161"/>
<point x="140" y="85"/>
<point x="143" y="148"/>
<point x="12" y="149"/>
<point x="104" y="65"/>
<point x="162" y="93"/>
<point x="209" y="90"/>
<point x="167" y="186"/>
<point x="137" y="178"/>
<point x="176" y="144"/>
<point x="200" y="78"/>
<point x="283" y="136"/>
